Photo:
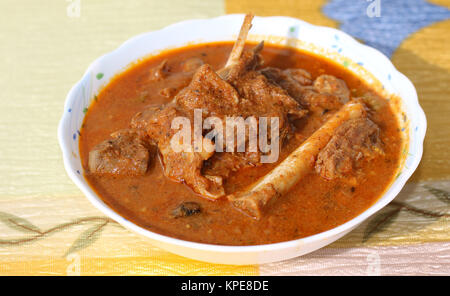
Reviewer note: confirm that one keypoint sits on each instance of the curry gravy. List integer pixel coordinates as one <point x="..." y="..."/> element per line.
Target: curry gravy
<point x="312" y="206"/>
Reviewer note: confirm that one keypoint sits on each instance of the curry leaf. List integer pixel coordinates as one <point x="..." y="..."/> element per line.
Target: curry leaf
<point x="87" y="238"/>
<point x="442" y="195"/>
<point x="18" y="223"/>
<point x="380" y="222"/>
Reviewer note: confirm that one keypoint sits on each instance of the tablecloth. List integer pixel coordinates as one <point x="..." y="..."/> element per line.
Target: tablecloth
<point x="47" y="226"/>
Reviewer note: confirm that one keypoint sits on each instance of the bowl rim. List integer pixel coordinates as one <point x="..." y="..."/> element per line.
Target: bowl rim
<point x="347" y="226"/>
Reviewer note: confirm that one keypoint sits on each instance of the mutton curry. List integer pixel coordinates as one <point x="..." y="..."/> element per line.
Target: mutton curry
<point x="339" y="144"/>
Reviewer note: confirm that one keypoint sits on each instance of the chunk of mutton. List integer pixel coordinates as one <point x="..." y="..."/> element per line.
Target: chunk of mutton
<point x="355" y="140"/>
<point x="300" y="162"/>
<point x="238" y="91"/>
<point x="184" y="165"/>
<point x="126" y="153"/>
<point x="292" y="80"/>
<point x="325" y="93"/>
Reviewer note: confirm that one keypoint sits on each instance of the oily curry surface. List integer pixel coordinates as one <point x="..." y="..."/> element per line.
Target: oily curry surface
<point x="313" y="205"/>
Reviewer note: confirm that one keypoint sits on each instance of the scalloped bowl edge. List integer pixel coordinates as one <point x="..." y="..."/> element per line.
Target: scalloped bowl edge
<point x="326" y="41"/>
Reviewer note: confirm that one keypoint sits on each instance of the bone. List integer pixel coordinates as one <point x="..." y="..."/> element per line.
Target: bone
<point x="238" y="47"/>
<point x="298" y="164"/>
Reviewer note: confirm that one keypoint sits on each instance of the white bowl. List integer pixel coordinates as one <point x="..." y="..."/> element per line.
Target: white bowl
<point x="369" y="63"/>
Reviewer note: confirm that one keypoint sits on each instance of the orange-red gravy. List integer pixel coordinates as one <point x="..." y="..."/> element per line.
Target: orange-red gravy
<point x="312" y="206"/>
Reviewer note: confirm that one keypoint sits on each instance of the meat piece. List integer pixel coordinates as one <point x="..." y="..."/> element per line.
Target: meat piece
<point x="328" y="93"/>
<point x="127" y="153"/>
<point x="253" y="95"/>
<point x="182" y="166"/>
<point x="237" y="91"/>
<point x="374" y="101"/>
<point x="257" y="97"/>
<point x="262" y="98"/>
<point x="222" y="164"/>
<point x="320" y="102"/>
<point x="186" y="167"/>
<point x="186" y="209"/>
<point x="209" y="92"/>
<point x="328" y="84"/>
<point x="292" y="80"/>
<point x="355" y="140"/>
<point x="299" y="163"/>
<point x="141" y="119"/>
<point x="215" y="97"/>
<point x="300" y="75"/>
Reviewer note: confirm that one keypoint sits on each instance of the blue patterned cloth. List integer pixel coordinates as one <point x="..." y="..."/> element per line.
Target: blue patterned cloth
<point x="397" y="19"/>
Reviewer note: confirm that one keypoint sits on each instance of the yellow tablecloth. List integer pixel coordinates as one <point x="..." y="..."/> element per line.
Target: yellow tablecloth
<point x="47" y="226"/>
